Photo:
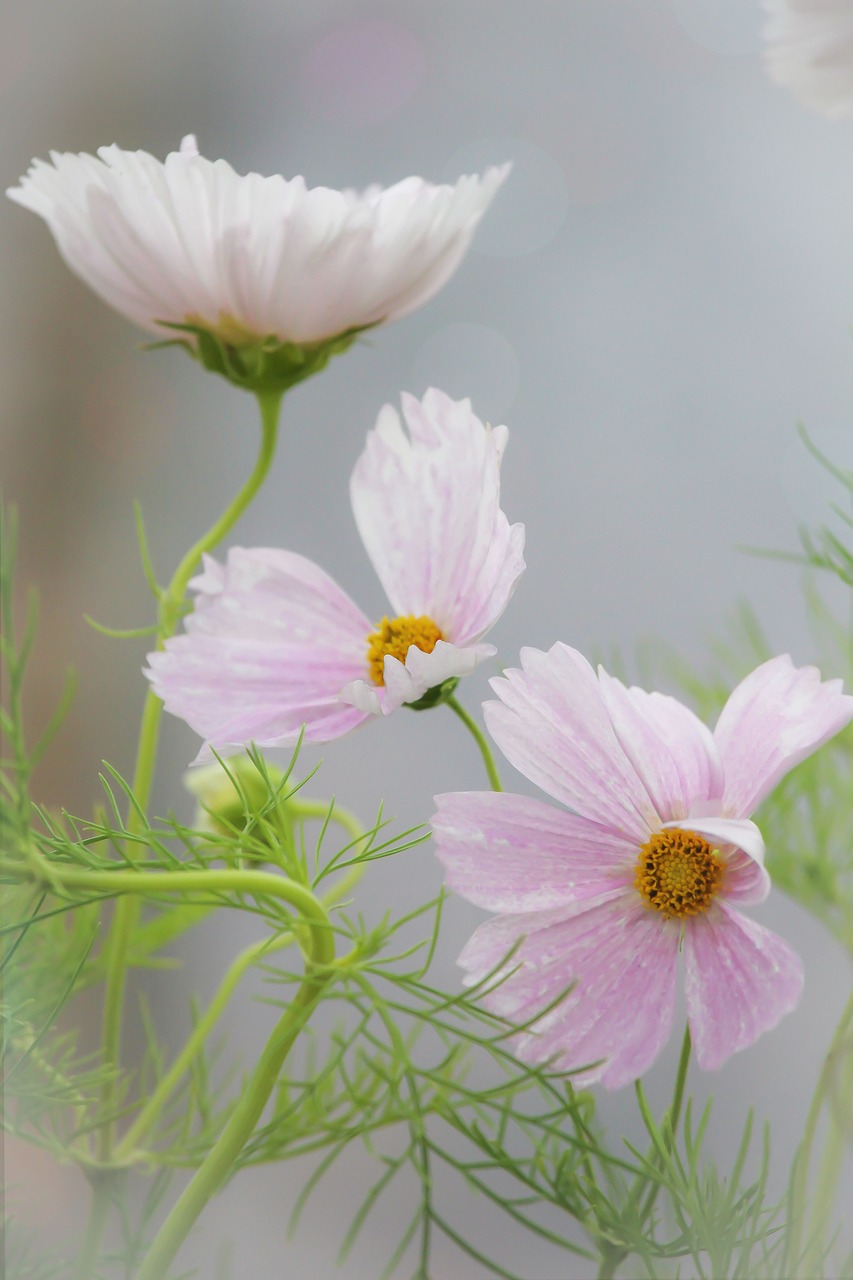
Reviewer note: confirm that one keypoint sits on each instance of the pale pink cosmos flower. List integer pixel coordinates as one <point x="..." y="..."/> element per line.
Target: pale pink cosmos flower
<point x="250" y="258"/>
<point x="809" y="50"/>
<point x="274" y="644"/>
<point x="655" y="858"/>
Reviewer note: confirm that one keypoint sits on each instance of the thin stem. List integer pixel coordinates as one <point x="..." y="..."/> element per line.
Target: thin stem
<point x="218" y="1165"/>
<point x="611" y="1256"/>
<point x="251" y="955"/>
<point x="479" y="737"/>
<point x="799" y="1188"/>
<point x="87" y="1260"/>
<point x="672" y="1118"/>
<point x="126" y="912"/>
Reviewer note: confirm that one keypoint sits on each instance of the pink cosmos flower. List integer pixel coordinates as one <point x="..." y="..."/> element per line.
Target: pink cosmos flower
<point x="274" y="643"/>
<point x="250" y="258"/>
<point x="655" y="858"/>
<point x="810" y="51"/>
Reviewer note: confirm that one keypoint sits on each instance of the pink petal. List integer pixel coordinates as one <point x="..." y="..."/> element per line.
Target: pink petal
<point x="772" y="721"/>
<point x="672" y="750"/>
<point x="428" y="510"/>
<point x="553" y="725"/>
<point x="271" y="642"/>
<point x="741" y="980"/>
<point x="623" y="962"/>
<point x="513" y="854"/>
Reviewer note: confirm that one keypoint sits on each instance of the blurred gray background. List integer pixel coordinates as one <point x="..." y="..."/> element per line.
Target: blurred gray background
<point x="662" y="289"/>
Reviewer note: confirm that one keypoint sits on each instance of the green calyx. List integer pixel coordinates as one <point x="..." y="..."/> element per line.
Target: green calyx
<point x="260" y="364"/>
<point x="435" y="696"/>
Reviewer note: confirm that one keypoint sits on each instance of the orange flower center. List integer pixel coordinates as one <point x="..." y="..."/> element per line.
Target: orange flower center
<point x="678" y="873"/>
<point x="395" y="636"/>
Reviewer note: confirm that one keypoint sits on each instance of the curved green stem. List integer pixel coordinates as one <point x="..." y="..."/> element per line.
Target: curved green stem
<point x="218" y="1165"/>
<point x="480" y="739"/>
<point x="201" y="1030"/>
<point x="799" y="1185"/>
<point x="127" y="910"/>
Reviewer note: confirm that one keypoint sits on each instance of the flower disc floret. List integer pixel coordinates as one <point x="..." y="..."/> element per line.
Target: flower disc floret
<point x="678" y="873"/>
<point x="394" y="637"/>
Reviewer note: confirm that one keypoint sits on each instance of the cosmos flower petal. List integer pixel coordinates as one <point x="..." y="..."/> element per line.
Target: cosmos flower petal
<point x="249" y="256"/>
<point x="672" y="750"/>
<point x="268" y="648"/>
<point x="810" y="51"/>
<point x="622" y="960"/>
<point x="514" y="854"/>
<point x="776" y="717"/>
<point x="427" y="506"/>
<point x="745" y="881"/>
<point x="741" y="979"/>
<point x="553" y="725"/>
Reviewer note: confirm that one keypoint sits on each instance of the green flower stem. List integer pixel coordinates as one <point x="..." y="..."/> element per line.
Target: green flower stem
<point x="613" y="1256"/>
<point x="87" y="1260"/>
<point x="127" y="910"/>
<point x="258" y="951"/>
<point x="829" y="1173"/>
<point x="480" y="739"/>
<point x="673" y="1118"/>
<point x="218" y="1165"/>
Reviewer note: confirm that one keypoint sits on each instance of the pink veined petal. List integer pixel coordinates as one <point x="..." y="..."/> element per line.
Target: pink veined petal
<point x="745" y="881"/>
<point x="513" y="854"/>
<point x="266" y="653"/>
<point x="622" y="959"/>
<point x="427" y="507"/>
<point x="773" y="720"/>
<point x="672" y="750"/>
<point x="741" y="980"/>
<point x="552" y="724"/>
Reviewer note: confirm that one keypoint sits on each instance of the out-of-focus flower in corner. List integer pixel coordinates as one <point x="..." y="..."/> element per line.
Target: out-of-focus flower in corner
<point x="274" y="643"/>
<point x="261" y="278"/>
<point x="653" y="859"/>
<point x="810" y="51"/>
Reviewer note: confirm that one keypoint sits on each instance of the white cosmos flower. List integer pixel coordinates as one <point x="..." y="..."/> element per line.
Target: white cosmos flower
<point x="810" y="51"/>
<point x="250" y="258"/>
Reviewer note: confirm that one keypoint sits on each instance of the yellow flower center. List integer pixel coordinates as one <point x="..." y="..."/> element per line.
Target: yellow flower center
<point x="678" y="873"/>
<point x="396" y="636"/>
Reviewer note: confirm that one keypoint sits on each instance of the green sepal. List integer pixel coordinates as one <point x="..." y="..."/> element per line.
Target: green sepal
<point x="435" y="696"/>
<point x="266" y="364"/>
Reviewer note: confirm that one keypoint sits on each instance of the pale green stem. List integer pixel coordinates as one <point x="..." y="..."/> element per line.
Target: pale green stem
<point x="828" y="1177"/>
<point x="87" y="1260"/>
<point x="126" y="911"/>
<point x="480" y="739"/>
<point x="611" y="1256"/>
<point x="258" y="951"/>
<point x="218" y="1165"/>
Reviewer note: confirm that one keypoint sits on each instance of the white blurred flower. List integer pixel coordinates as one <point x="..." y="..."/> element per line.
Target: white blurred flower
<point x="259" y="263"/>
<point x="810" y="51"/>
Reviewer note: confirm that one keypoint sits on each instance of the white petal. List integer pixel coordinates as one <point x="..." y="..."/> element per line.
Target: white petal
<point x="190" y="239"/>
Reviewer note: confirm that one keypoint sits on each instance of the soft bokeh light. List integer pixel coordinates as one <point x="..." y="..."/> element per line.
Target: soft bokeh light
<point x="470" y="360"/>
<point x="362" y="72"/>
